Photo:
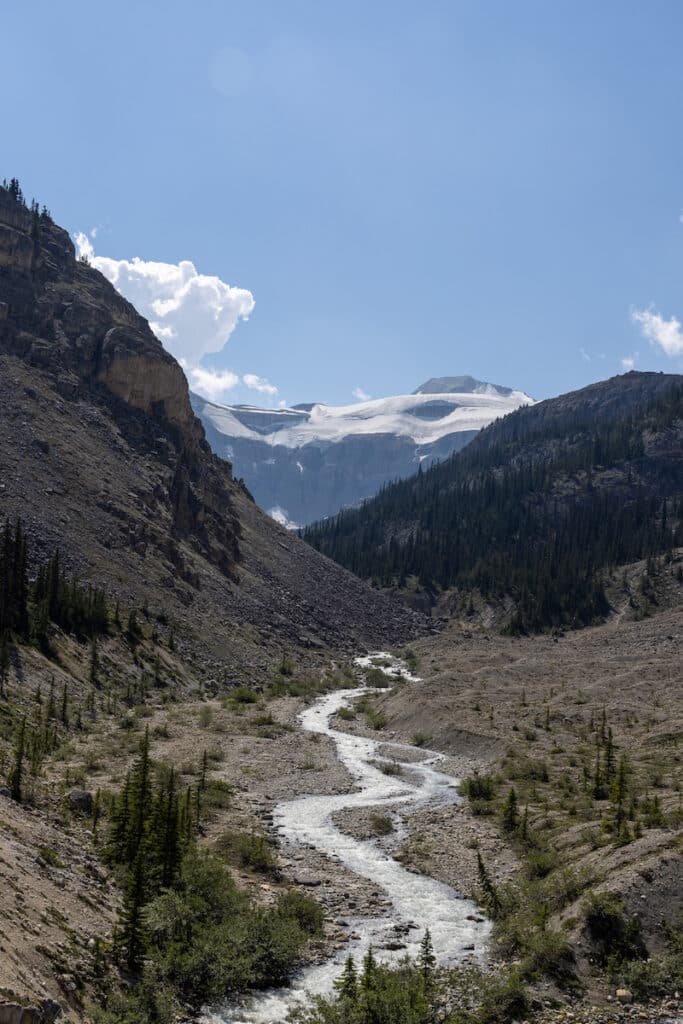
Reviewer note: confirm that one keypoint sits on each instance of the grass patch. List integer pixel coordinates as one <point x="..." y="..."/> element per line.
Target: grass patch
<point x="50" y="856"/>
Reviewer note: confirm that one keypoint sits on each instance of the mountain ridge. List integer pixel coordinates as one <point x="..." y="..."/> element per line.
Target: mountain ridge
<point x="97" y="422"/>
<point x="308" y="461"/>
<point x="536" y="506"/>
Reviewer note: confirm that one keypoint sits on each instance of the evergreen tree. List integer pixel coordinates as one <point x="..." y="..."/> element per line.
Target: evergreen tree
<point x="426" y="961"/>
<point x="16" y="775"/>
<point x="490" y="897"/>
<point x="94" y="662"/>
<point x="4" y="663"/>
<point x="346" y="984"/>
<point x="510" y="814"/>
<point x="133" y="933"/>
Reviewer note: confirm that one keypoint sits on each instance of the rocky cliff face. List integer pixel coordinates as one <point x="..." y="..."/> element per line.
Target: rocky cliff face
<point x="102" y="455"/>
<point x="61" y="313"/>
<point x="64" y="317"/>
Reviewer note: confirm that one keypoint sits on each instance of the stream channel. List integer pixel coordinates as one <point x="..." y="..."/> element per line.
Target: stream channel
<point x="416" y="901"/>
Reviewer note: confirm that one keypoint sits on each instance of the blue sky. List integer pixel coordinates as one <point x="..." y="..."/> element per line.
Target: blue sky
<point x="400" y="190"/>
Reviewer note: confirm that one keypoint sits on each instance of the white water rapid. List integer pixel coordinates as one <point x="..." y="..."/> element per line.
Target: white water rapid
<point x="416" y="900"/>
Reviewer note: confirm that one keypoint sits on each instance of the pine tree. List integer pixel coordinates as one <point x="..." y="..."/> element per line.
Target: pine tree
<point x="133" y="933"/>
<point x="347" y="984"/>
<point x="16" y="775"/>
<point x="64" y="713"/>
<point x="510" y="814"/>
<point x="94" y="662"/>
<point x="426" y="961"/>
<point x="609" y="757"/>
<point x="140" y="800"/>
<point x="4" y="663"/>
<point x="490" y="897"/>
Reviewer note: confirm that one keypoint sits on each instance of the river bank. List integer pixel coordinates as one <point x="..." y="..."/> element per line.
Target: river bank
<point x="403" y="903"/>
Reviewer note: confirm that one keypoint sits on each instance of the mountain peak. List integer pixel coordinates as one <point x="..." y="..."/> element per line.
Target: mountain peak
<point x="464" y="385"/>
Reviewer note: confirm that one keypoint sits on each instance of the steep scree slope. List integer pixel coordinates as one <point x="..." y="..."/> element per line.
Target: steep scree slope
<point x="101" y="454"/>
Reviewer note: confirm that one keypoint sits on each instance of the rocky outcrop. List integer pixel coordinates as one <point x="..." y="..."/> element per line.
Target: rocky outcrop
<point x="15" y="1013"/>
<point x="63" y="313"/>
<point x="63" y="316"/>
<point x="101" y="456"/>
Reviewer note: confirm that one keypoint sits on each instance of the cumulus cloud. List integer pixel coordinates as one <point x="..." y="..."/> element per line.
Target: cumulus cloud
<point x="361" y="395"/>
<point x="667" y="334"/>
<point x="255" y="383"/>
<point x="211" y="384"/>
<point x="192" y="314"/>
<point x="628" y="362"/>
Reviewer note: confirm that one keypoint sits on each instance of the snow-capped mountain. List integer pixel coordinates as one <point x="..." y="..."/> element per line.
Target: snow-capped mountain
<point x="307" y="462"/>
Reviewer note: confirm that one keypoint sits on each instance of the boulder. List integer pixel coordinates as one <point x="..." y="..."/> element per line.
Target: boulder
<point x="80" y="800"/>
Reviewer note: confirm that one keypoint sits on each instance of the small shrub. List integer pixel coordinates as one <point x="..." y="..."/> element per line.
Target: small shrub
<point x="382" y="824"/>
<point x="248" y="850"/>
<point x="303" y="909"/>
<point x="528" y="769"/>
<point x="216" y="795"/>
<point x="421" y="739"/>
<point x="615" y="936"/>
<point x="50" y="856"/>
<point x="478" y="787"/>
<point x="244" y="695"/>
<point x="377" y="678"/>
<point x="375" y="719"/>
<point x="659" y="976"/>
<point x="205" y="716"/>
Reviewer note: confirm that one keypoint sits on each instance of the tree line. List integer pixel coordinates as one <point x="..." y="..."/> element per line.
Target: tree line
<point x="27" y="607"/>
<point x="527" y="510"/>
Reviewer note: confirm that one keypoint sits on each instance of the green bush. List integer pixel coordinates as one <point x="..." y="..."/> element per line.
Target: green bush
<point x="504" y="999"/>
<point x="659" y="976"/>
<point x="216" y="795"/>
<point x="382" y="824"/>
<point x="243" y="695"/>
<point x="527" y="769"/>
<point x="615" y="936"/>
<point x="377" y="678"/>
<point x="306" y="911"/>
<point x="375" y="719"/>
<point x="248" y="850"/>
<point x="208" y="940"/>
<point x="478" y="787"/>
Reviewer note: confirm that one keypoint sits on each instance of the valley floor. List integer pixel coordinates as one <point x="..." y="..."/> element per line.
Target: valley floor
<point x="529" y="713"/>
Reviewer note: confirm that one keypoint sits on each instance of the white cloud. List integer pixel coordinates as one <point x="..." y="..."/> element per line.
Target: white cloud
<point x="628" y="362"/>
<point x="255" y="383"/>
<point x="211" y="384"/>
<point x="361" y="395"/>
<point x="584" y="355"/>
<point x="84" y="246"/>
<point x="667" y="334"/>
<point x="193" y="314"/>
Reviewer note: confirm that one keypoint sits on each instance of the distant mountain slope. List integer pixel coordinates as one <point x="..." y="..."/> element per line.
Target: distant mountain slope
<point x="102" y="456"/>
<point x="307" y="462"/>
<point x="536" y="506"/>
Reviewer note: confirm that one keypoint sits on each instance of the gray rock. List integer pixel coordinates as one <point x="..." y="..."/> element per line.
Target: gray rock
<point x="80" y="800"/>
